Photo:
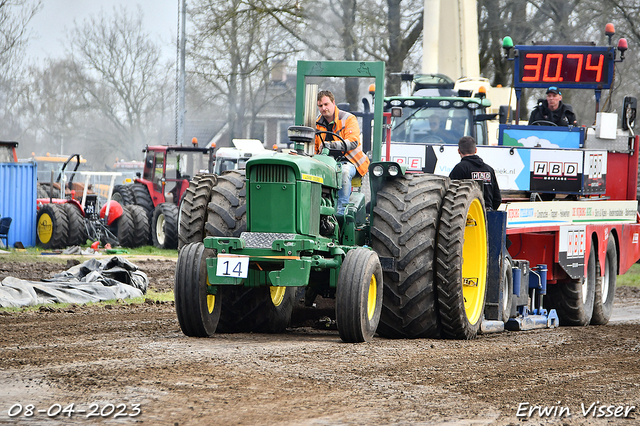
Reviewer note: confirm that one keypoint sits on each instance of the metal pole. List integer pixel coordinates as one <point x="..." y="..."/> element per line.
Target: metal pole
<point x="181" y="73"/>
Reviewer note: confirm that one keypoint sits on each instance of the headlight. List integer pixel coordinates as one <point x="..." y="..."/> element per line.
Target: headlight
<point x="444" y="103"/>
<point x="458" y="104"/>
<point x="409" y="102"/>
<point x="396" y="102"/>
<point x="393" y="170"/>
<point x="472" y="105"/>
<point x="378" y="170"/>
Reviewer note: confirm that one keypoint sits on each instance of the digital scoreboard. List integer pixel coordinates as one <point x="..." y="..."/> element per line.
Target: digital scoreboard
<point x="583" y="67"/>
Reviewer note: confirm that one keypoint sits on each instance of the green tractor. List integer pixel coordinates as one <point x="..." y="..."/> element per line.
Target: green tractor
<point x="394" y="265"/>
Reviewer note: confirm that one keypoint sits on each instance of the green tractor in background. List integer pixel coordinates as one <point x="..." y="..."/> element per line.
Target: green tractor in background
<point x="394" y="265"/>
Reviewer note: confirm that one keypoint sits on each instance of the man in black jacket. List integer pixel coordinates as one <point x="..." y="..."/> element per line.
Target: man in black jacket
<point x="472" y="167"/>
<point x="553" y="111"/>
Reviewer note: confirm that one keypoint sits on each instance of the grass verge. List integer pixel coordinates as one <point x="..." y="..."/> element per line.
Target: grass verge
<point x="151" y="296"/>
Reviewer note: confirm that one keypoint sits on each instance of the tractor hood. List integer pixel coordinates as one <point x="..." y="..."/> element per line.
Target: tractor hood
<point x="320" y="168"/>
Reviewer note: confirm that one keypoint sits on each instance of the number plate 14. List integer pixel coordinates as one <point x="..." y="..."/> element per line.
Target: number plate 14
<point x="230" y="265"/>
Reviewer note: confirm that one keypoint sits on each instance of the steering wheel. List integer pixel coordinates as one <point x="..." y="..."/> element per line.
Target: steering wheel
<point x="543" y="123"/>
<point x="334" y="152"/>
<point x="432" y="139"/>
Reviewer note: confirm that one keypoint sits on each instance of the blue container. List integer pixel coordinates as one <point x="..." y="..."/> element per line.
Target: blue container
<point x="18" y="193"/>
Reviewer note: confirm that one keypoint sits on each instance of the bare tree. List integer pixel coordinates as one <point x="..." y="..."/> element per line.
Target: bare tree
<point x="234" y="48"/>
<point x="119" y="70"/>
<point x="15" y="15"/>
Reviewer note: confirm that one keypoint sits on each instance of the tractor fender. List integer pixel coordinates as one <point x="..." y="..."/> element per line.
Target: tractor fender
<point x="115" y="211"/>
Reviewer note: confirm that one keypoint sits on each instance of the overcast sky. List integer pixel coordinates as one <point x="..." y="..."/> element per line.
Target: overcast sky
<point x="48" y="26"/>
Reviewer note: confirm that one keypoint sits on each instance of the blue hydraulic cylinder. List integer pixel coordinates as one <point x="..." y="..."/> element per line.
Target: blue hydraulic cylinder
<point x="538" y="278"/>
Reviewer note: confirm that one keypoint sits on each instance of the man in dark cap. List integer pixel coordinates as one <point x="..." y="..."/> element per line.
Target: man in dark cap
<point x="553" y="111"/>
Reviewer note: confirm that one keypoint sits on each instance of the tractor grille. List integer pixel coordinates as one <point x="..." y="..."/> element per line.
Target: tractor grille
<point x="263" y="239"/>
<point x="272" y="173"/>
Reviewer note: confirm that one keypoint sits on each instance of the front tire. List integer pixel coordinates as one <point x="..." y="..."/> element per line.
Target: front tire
<point x="52" y="227"/>
<point x="605" y="285"/>
<point x="198" y="311"/>
<point x="405" y="222"/>
<point x="461" y="278"/>
<point x="164" y="226"/>
<point x="359" y="296"/>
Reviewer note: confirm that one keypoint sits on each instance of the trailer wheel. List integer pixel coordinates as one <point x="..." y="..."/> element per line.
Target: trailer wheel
<point x="359" y="296"/>
<point x="226" y="212"/>
<point x="164" y="226"/>
<point x="193" y="210"/>
<point x="605" y="286"/>
<point x="52" y="227"/>
<point x="256" y="309"/>
<point x="77" y="229"/>
<point x="573" y="300"/>
<point x="404" y="228"/>
<point x="461" y="254"/>
<point x="123" y="194"/>
<point x="141" y="227"/>
<point x="507" y="289"/>
<point x="143" y="198"/>
<point x="198" y="311"/>
<point x="122" y="228"/>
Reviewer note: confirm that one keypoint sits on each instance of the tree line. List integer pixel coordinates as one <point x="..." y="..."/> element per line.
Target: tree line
<point x="112" y="92"/>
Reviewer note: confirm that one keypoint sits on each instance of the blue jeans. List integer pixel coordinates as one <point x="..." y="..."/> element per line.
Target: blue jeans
<point x="348" y="172"/>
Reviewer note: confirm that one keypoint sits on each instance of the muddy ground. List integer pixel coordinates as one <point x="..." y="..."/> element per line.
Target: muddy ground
<point x="130" y="364"/>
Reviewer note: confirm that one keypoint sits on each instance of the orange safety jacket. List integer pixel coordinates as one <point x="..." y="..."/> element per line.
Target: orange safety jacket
<point x="346" y="125"/>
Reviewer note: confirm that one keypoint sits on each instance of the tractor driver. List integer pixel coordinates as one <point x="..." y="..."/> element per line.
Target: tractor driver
<point x="345" y="124"/>
<point x="553" y="111"/>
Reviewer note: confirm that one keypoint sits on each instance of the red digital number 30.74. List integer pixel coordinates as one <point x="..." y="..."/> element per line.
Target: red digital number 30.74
<point x="558" y="67"/>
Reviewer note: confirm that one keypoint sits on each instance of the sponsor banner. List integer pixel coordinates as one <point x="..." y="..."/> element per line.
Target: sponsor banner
<point x="517" y="169"/>
<point x="528" y="214"/>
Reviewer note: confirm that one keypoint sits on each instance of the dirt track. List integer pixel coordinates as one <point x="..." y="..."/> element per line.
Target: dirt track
<point x="126" y="355"/>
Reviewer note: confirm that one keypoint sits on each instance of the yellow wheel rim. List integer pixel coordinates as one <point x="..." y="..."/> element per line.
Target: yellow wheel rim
<point x="45" y="228"/>
<point x="277" y="294"/>
<point x="373" y="297"/>
<point x="474" y="267"/>
<point x="211" y="299"/>
<point x="211" y="302"/>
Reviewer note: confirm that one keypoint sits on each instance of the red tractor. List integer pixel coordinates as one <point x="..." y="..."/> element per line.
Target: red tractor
<point x="70" y="221"/>
<point x="166" y="176"/>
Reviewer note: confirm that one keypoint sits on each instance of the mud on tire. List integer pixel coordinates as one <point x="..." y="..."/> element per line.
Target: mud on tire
<point x="198" y="311"/>
<point x="405" y="221"/>
<point x="461" y="261"/>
